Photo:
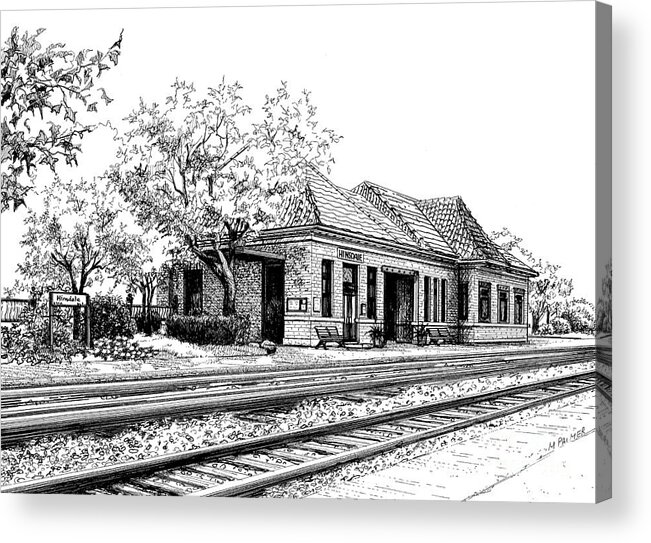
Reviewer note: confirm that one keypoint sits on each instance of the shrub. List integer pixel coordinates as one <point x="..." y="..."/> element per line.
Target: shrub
<point x="580" y="314"/>
<point x="110" y="318"/>
<point x="148" y="325"/>
<point x="204" y="330"/>
<point x="27" y="341"/>
<point x="545" y="330"/>
<point x="560" y="326"/>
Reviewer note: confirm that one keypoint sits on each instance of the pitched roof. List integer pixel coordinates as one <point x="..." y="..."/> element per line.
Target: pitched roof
<point x="404" y="212"/>
<point x="440" y="225"/>
<point x="456" y="223"/>
<point x="325" y="204"/>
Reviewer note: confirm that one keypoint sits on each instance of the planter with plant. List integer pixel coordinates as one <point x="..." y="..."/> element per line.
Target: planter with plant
<point x="376" y="335"/>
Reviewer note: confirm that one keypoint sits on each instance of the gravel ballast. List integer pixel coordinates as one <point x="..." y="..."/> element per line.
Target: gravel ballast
<point x="61" y="453"/>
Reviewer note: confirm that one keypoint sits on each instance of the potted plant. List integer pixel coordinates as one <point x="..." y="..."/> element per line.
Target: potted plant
<point x="421" y="334"/>
<point x="376" y="335"/>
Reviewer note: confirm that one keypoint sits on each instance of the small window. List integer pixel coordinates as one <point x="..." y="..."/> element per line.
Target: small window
<point x="518" y="306"/>
<point x="371" y="293"/>
<point x="463" y="301"/>
<point x="503" y="304"/>
<point x="326" y="288"/>
<point x="435" y="299"/>
<point x="484" y="302"/>
<point x="426" y="298"/>
<point x="444" y="290"/>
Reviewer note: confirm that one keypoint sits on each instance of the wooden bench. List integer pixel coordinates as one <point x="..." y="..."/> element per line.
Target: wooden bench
<point x="328" y="334"/>
<point x="437" y="333"/>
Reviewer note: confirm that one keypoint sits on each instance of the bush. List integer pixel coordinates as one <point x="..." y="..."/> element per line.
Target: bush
<point x="580" y="314"/>
<point x="27" y="341"/>
<point x="148" y="325"/>
<point x="110" y="318"/>
<point x="203" y="330"/>
<point x="545" y="330"/>
<point x="560" y="326"/>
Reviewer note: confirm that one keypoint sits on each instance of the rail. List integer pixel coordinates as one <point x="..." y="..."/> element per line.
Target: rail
<point x="249" y="466"/>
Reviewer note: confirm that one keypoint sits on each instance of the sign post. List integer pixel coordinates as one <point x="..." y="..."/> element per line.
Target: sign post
<point x="70" y="299"/>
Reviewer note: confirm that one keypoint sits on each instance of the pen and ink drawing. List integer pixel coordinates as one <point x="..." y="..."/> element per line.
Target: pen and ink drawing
<point x="199" y="298"/>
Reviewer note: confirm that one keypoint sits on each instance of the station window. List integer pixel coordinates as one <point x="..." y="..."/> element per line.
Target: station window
<point x="326" y="288"/>
<point x="484" y="302"/>
<point x="426" y="298"/>
<point x="518" y="306"/>
<point x="444" y="291"/>
<point x="503" y="304"/>
<point x="463" y="301"/>
<point x="371" y="293"/>
<point x="435" y="299"/>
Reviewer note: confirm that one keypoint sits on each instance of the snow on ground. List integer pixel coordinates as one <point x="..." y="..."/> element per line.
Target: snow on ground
<point x="177" y="358"/>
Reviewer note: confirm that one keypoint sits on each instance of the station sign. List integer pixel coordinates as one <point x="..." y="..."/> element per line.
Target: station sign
<point x="346" y="254"/>
<point x="68" y="299"/>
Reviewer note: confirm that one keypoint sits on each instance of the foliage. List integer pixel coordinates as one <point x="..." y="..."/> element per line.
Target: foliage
<point x="579" y="313"/>
<point x="204" y="330"/>
<point x="119" y="348"/>
<point x="205" y="173"/>
<point x="110" y="318"/>
<point x="549" y="291"/>
<point x="46" y="94"/>
<point x="604" y="318"/>
<point x="27" y="341"/>
<point x="377" y="336"/>
<point x="81" y="234"/>
<point x="560" y="325"/>
<point x="545" y="330"/>
<point x="148" y="323"/>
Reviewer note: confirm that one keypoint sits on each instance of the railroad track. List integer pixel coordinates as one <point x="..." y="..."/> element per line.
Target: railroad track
<point x="37" y="411"/>
<point x="247" y="467"/>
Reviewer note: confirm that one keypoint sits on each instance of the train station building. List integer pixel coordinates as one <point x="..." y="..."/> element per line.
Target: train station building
<point x="368" y="257"/>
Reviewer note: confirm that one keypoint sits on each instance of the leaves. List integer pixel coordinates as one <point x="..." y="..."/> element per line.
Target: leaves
<point x="549" y="292"/>
<point x="82" y="234"/>
<point x="199" y="166"/>
<point x="51" y="85"/>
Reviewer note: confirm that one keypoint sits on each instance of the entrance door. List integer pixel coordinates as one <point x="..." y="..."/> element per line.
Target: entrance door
<point x="398" y="306"/>
<point x="273" y="309"/>
<point x="350" y="302"/>
<point x="192" y="292"/>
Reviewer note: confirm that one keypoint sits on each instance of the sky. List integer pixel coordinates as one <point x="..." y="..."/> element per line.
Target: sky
<point x="492" y="102"/>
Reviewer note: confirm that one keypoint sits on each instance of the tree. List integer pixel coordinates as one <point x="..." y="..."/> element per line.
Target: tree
<point x="549" y="291"/>
<point x="82" y="234"/>
<point x="142" y="271"/>
<point x="45" y="95"/>
<point x="206" y="173"/>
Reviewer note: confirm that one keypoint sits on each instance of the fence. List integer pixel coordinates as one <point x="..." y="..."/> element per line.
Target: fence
<point x="163" y="312"/>
<point x="12" y="308"/>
